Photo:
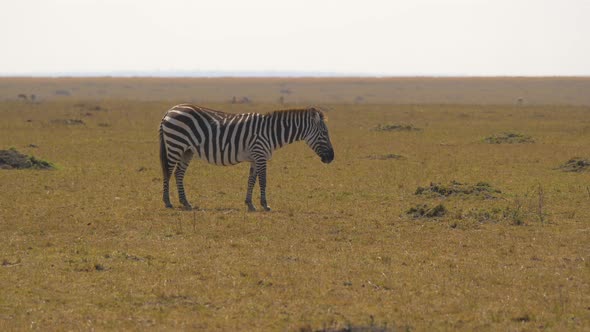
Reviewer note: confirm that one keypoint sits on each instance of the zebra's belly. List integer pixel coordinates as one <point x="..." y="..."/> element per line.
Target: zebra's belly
<point x="221" y="158"/>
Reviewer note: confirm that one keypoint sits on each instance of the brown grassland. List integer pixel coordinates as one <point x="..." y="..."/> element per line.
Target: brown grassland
<point x="91" y="246"/>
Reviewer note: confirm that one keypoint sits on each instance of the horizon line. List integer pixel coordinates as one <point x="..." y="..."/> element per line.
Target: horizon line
<point x="259" y="74"/>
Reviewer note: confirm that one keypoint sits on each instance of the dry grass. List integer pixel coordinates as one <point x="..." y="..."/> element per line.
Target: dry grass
<point x="90" y="245"/>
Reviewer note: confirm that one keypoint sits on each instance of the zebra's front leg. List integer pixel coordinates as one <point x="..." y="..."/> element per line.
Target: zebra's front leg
<point x="179" y="174"/>
<point x="251" y="182"/>
<point x="261" y="170"/>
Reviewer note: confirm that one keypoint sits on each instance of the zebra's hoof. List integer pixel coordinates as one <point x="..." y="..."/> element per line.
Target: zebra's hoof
<point x="168" y="206"/>
<point x="267" y="208"/>
<point x="251" y="207"/>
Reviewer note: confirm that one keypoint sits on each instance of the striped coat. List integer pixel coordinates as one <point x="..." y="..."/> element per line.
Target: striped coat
<point x="220" y="138"/>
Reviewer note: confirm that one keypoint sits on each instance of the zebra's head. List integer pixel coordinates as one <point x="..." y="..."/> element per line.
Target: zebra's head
<point x="318" y="138"/>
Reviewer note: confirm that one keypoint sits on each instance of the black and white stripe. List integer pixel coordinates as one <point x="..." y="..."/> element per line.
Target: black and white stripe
<point x="188" y="131"/>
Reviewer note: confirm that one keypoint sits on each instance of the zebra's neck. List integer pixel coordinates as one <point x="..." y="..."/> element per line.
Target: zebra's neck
<point x="286" y="127"/>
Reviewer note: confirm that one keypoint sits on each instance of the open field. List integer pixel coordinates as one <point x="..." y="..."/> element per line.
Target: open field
<point x="405" y="90"/>
<point x="91" y="246"/>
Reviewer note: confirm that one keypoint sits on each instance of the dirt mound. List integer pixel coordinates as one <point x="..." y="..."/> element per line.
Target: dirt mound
<point x="11" y="159"/>
<point x="396" y="127"/>
<point x="424" y="211"/>
<point x="480" y="189"/>
<point x="576" y="164"/>
<point x="509" y="138"/>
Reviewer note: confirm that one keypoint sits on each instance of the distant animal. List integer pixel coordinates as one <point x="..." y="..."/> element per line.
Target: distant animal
<point x="228" y="139"/>
<point x="22" y="96"/>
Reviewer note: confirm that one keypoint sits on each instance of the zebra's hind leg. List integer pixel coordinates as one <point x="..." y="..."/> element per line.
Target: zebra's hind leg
<point x="261" y="171"/>
<point x="166" y="189"/>
<point x="251" y="182"/>
<point x="179" y="174"/>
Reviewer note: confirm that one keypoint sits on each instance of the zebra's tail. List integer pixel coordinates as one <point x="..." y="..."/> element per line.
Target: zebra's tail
<point x="163" y="154"/>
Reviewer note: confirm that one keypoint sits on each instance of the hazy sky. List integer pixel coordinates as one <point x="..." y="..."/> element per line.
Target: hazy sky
<point x="389" y="37"/>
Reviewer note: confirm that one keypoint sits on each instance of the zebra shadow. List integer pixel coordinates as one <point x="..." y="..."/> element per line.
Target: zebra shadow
<point x="224" y="210"/>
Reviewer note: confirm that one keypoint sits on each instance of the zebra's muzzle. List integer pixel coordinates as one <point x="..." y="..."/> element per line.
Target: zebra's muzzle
<point x="328" y="157"/>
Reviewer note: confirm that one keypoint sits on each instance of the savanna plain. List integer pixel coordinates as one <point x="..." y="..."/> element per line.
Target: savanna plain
<point x="450" y="205"/>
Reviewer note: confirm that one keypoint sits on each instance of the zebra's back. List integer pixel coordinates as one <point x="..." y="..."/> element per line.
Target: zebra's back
<point x="217" y="137"/>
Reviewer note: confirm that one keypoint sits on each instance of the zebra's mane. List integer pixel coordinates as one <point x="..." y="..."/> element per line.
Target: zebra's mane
<point x="298" y="110"/>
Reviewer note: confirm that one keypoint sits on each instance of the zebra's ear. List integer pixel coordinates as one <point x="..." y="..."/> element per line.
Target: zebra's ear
<point x="318" y="115"/>
<point x="321" y="115"/>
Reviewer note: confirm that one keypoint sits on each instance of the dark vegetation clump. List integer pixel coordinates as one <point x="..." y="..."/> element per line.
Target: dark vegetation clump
<point x="385" y="156"/>
<point x="424" y="211"/>
<point x="522" y="319"/>
<point x="68" y="122"/>
<point x="480" y="189"/>
<point x="576" y="164"/>
<point x="12" y="159"/>
<point x="396" y="127"/>
<point x="90" y="107"/>
<point x="358" y="328"/>
<point x="509" y="138"/>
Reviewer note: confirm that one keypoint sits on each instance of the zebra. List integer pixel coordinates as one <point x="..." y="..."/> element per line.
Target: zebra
<point x="220" y="138"/>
